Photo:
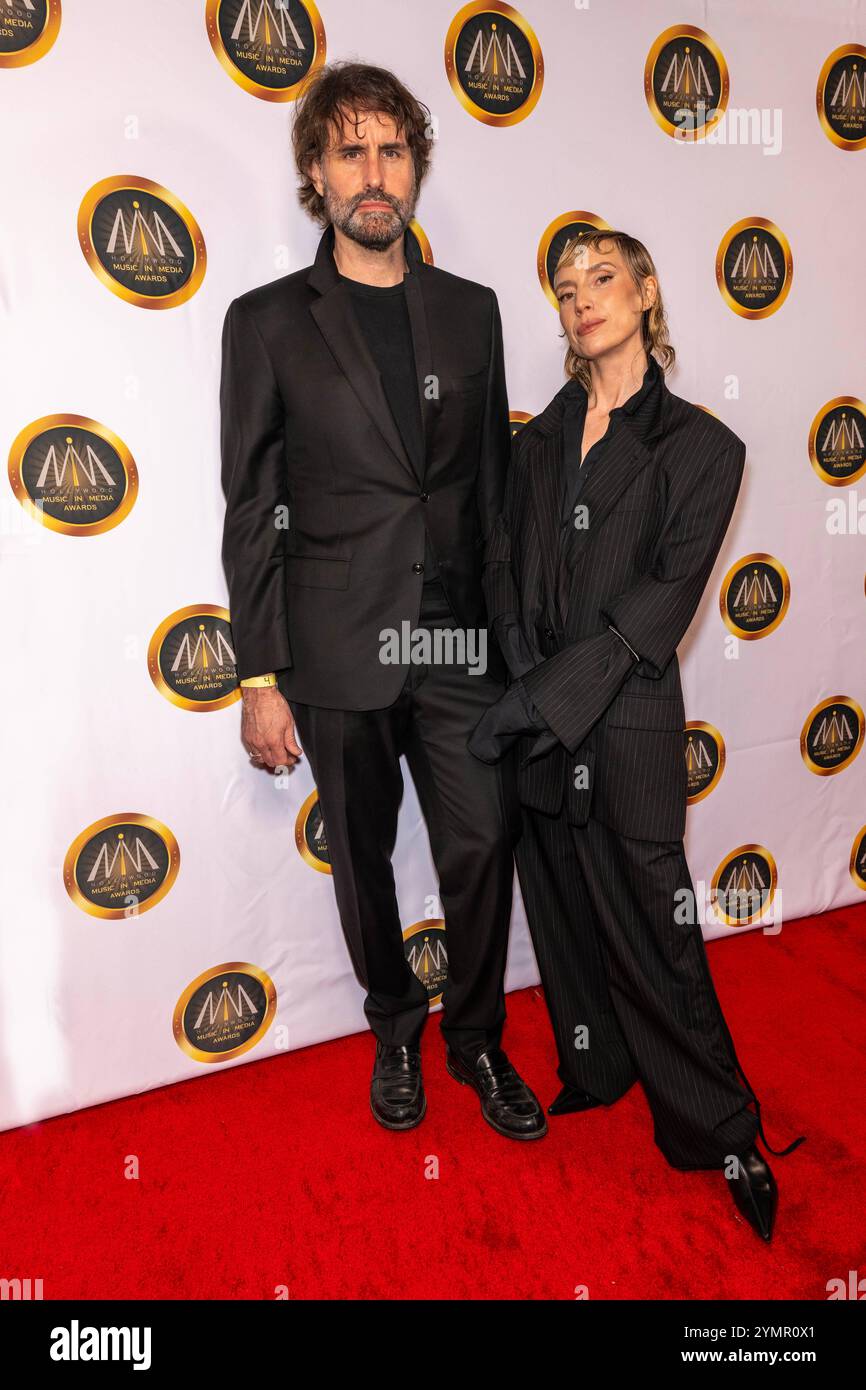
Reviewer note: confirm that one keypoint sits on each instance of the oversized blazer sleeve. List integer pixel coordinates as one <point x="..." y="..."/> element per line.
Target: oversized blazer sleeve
<point x="500" y="591"/>
<point x="252" y="423"/>
<point x="497" y="580"/>
<point x="495" y="431"/>
<point x="573" y="688"/>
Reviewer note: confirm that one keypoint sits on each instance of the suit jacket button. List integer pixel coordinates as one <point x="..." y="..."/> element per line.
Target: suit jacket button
<point x="425" y="497"/>
<point x="417" y="568"/>
<point x="549" y="633"/>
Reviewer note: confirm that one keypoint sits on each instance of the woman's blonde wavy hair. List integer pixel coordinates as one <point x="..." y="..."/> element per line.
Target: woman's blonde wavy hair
<point x="654" y="323"/>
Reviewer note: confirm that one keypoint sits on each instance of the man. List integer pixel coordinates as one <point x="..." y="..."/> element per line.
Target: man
<point x="364" y="397"/>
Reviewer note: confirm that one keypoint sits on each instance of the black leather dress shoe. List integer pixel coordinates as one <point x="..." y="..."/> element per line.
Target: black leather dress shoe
<point x="397" y="1096"/>
<point x="506" y="1101"/>
<point x="571" y="1099"/>
<point x="754" y="1192"/>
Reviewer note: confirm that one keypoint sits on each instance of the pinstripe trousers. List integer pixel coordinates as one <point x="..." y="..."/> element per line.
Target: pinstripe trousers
<point x="628" y="986"/>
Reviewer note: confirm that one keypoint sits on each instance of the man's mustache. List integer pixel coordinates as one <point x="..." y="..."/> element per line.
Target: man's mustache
<point x="376" y="196"/>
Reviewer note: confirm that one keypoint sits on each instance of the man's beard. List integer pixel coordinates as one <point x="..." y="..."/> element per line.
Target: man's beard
<point x="374" y="230"/>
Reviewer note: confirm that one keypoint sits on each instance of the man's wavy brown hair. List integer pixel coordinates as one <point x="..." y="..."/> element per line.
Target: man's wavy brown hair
<point x="344" y="90"/>
<point x="639" y="262"/>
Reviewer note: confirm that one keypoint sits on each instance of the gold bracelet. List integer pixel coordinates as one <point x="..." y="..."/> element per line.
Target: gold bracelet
<point x="269" y="679"/>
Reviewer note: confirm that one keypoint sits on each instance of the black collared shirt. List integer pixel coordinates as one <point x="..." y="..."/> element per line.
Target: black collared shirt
<point x="640" y="410"/>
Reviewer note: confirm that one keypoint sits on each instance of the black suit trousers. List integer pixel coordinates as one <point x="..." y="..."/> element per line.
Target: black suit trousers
<point x="628" y="985"/>
<point x="473" y="820"/>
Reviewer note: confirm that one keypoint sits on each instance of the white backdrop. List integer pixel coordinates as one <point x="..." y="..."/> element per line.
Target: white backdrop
<point x="87" y="1002"/>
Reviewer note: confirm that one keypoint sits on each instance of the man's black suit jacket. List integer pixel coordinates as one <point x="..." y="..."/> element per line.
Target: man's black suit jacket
<point x="657" y="511"/>
<point x="307" y="432"/>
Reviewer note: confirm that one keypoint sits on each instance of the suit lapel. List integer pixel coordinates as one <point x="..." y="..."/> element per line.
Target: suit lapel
<point x="572" y="439"/>
<point x="623" y="459"/>
<point x="339" y="327"/>
<point x="418" y="287"/>
<point x="545" y="470"/>
<point x="335" y="317"/>
<point x="568" y="546"/>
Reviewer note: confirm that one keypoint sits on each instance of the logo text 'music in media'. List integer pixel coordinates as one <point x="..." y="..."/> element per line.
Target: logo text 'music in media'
<point x="141" y="242"/>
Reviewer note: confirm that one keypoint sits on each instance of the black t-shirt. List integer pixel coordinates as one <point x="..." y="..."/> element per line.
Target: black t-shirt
<point x="383" y="317"/>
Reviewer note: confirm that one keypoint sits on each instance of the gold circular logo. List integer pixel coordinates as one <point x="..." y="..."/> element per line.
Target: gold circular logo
<point x="225" y="1012"/>
<point x="837" y="441"/>
<point x="311" y="840"/>
<point x="754" y="267"/>
<point x="553" y="242"/>
<point x="191" y="659"/>
<point x="426" y="951"/>
<point x="705" y="759"/>
<point x="832" y="735"/>
<point x="686" y="82"/>
<point x="494" y="63"/>
<point x="754" y="596"/>
<point x="73" y="474"/>
<point x="841" y="97"/>
<point x="416" y="231"/>
<point x="121" y="866"/>
<point x="270" y="48"/>
<point x="744" y="886"/>
<point x="857" y="862"/>
<point x="28" y="28"/>
<point x="141" y="242"/>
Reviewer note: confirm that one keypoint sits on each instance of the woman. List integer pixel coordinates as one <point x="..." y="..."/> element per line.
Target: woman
<point x="618" y="499"/>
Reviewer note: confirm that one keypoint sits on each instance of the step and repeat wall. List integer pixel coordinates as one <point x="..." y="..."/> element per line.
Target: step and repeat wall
<point x="166" y="904"/>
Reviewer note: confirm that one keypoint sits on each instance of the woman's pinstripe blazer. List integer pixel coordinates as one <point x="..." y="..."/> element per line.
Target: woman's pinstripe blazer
<point x="607" y="602"/>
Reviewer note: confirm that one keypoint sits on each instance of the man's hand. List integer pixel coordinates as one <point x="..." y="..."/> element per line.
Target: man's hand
<point x="267" y="728"/>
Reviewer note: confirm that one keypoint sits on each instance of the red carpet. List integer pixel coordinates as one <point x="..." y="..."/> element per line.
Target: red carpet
<point x="276" y="1173"/>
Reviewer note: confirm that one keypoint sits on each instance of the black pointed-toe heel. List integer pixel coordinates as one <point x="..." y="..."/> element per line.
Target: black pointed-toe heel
<point x="754" y="1192"/>
<point x="569" y="1100"/>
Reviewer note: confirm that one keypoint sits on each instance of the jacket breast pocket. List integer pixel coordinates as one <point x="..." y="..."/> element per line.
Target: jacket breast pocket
<point x="624" y="507"/>
<point x="463" y="400"/>
<point x="640" y="496"/>
<point x="317" y="572"/>
<point x="467" y="385"/>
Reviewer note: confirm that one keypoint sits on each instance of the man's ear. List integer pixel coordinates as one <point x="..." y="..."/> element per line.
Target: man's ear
<point x="315" y="173"/>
